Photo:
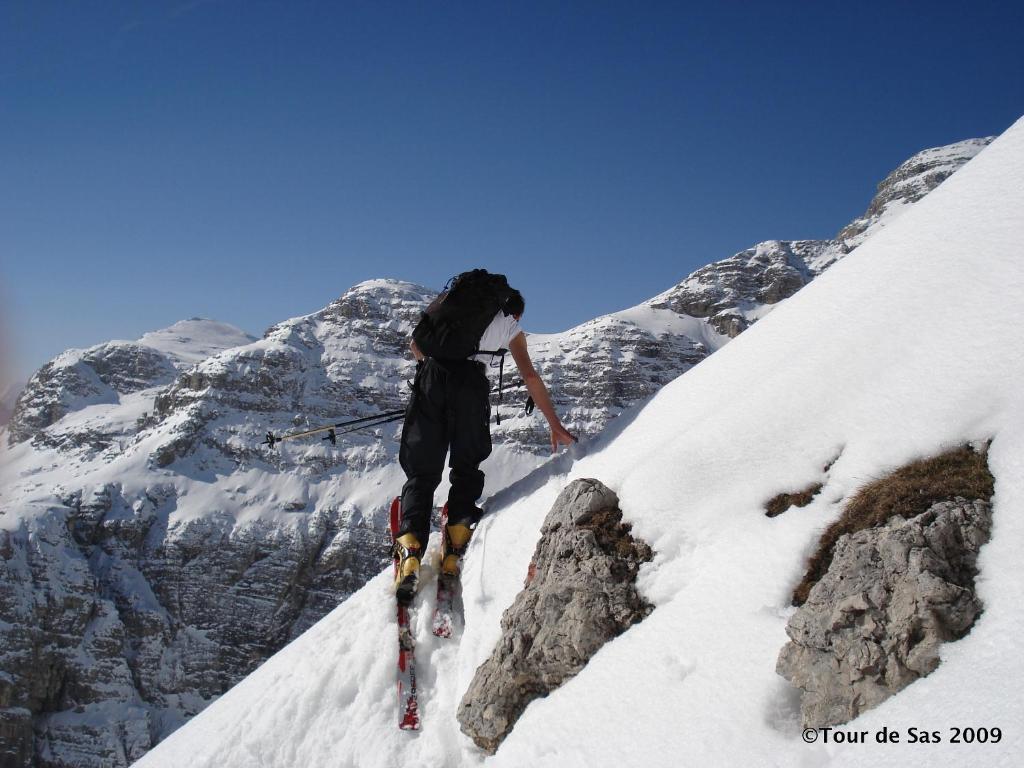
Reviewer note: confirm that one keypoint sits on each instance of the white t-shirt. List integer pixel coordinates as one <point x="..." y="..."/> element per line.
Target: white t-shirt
<point x="499" y="334"/>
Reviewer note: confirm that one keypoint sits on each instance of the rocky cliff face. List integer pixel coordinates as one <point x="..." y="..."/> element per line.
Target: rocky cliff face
<point x="123" y="624"/>
<point x="733" y="293"/>
<point x="153" y="551"/>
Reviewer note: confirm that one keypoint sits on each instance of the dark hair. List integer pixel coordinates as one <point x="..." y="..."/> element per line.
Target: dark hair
<point x="515" y="303"/>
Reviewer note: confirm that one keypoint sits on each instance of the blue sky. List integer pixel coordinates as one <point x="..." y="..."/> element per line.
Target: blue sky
<point x="250" y="161"/>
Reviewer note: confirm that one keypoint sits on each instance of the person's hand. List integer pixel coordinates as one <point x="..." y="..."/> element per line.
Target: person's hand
<point x="560" y="436"/>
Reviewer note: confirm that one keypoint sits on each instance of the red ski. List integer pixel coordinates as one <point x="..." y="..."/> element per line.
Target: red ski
<point x="447" y="591"/>
<point x="408" y="707"/>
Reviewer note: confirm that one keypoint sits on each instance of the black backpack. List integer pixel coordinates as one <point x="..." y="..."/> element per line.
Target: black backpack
<point x="451" y="327"/>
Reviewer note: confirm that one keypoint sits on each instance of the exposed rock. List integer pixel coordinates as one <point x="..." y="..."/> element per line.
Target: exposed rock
<point x="580" y="595"/>
<point x="732" y="293"/>
<point x="874" y="623"/>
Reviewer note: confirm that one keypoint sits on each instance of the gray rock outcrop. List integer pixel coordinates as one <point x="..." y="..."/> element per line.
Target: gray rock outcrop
<point x="580" y="594"/>
<point x="891" y="597"/>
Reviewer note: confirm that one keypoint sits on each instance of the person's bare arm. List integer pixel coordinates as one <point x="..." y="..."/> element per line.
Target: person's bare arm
<point x="535" y="386"/>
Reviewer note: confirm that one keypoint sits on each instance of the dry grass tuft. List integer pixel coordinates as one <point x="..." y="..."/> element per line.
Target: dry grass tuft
<point x="779" y="504"/>
<point x="907" y="492"/>
<point x="614" y="537"/>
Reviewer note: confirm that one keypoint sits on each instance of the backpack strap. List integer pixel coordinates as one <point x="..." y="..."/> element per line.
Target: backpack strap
<point x="501" y="376"/>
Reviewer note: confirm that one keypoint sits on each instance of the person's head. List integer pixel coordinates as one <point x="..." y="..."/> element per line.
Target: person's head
<point x="515" y="305"/>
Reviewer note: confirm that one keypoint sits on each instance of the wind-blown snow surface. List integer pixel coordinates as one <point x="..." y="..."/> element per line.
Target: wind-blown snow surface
<point x="907" y="347"/>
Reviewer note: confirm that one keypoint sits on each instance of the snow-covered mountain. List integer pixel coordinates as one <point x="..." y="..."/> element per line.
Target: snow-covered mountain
<point x="154" y="552"/>
<point x="850" y="384"/>
<point x="112" y="374"/>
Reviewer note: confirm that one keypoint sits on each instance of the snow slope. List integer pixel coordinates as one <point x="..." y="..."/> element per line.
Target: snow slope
<point x="844" y="369"/>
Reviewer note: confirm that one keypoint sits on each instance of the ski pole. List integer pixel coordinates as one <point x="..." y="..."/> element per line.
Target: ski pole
<point x="273" y="439"/>
<point x="333" y="436"/>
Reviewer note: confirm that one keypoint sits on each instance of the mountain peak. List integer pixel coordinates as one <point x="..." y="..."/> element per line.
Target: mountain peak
<point x="385" y="284"/>
<point x="190" y="341"/>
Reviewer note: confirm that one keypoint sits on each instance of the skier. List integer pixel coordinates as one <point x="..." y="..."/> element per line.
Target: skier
<point x="450" y="410"/>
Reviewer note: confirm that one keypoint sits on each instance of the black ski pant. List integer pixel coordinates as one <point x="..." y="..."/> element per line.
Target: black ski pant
<point x="450" y="409"/>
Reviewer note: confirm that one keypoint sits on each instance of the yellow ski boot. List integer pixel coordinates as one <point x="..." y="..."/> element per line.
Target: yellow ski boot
<point x="407" y="553"/>
<point x="456" y="539"/>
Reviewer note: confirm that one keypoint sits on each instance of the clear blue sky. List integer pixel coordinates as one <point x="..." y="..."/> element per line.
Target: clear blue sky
<point x="250" y="161"/>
